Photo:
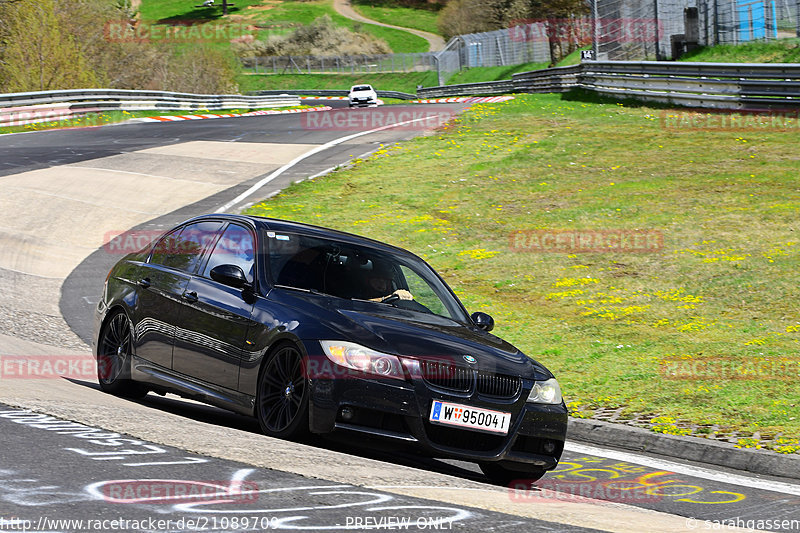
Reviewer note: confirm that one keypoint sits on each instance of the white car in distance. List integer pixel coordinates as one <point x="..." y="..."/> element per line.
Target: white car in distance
<point x="363" y="96"/>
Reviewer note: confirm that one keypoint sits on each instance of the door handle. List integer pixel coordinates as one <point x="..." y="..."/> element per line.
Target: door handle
<point x="144" y="282"/>
<point x="190" y="296"/>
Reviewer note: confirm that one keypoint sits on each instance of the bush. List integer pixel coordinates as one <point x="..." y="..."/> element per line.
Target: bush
<point x="202" y="70"/>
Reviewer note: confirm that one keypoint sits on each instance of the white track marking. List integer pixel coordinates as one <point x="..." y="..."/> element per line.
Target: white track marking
<point x="316" y="150"/>
<point x="694" y="471"/>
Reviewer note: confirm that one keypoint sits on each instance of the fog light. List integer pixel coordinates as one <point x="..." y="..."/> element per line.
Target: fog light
<point x="347" y="414"/>
<point x="549" y="446"/>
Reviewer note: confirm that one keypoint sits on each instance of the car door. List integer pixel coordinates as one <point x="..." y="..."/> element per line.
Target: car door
<point x="214" y="318"/>
<point x="162" y="282"/>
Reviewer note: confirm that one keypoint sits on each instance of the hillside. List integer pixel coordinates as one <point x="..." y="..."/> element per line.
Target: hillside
<point x="262" y="18"/>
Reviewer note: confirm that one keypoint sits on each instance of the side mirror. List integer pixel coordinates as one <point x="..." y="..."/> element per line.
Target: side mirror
<point x="231" y="275"/>
<point x="483" y="321"/>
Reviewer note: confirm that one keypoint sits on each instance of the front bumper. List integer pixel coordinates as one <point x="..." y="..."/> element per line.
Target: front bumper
<point x="399" y="410"/>
<point x="358" y="102"/>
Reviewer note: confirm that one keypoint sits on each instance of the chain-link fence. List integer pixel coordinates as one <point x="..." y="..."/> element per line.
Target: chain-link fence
<point x="523" y="43"/>
<point x="665" y="29"/>
<point x="741" y="21"/>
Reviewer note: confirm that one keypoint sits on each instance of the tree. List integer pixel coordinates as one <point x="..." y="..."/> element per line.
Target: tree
<point x="559" y="17"/>
<point x="58" y="44"/>
<point x="37" y="54"/>
<point x="473" y="16"/>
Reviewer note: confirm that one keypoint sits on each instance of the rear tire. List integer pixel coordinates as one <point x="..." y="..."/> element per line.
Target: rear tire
<point x="114" y="351"/>
<point x="283" y="391"/>
<point x="505" y="476"/>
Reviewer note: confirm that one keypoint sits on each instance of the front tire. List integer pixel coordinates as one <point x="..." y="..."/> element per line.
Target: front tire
<point x="506" y="476"/>
<point x="283" y="391"/>
<point x="114" y="352"/>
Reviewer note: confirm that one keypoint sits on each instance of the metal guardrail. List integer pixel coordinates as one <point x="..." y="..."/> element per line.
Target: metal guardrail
<point x="467" y="89"/>
<point x="34" y="107"/>
<point x="551" y="80"/>
<point x="749" y="86"/>
<point x="708" y="85"/>
<point x="336" y="92"/>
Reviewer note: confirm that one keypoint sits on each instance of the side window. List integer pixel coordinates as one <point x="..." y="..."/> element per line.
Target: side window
<point x="235" y="247"/>
<point x="183" y="248"/>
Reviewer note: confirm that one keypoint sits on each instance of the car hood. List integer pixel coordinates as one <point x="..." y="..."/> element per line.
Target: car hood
<point x="406" y="333"/>
<point x="430" y="337"/>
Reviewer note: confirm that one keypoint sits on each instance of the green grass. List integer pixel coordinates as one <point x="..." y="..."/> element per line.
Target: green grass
<point x="407" y="17"/>
<point x="724" y="287"/>
<point x="387" y="82"/>
<point x="112" y="117"/>
<point x="574" y="58"/>
<point x="781" y="51"/>
<point x="477" y="74"/>
<point x="155" y="10"/>
<point x="406" y="82"/>
<point x="280" y="17"/>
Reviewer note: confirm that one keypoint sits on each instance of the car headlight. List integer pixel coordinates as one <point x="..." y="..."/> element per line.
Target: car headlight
<point x="357" y="357"/>
<point x="547" y="392"/>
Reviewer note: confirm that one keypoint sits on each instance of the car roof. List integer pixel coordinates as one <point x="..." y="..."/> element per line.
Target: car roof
<point x="276" y="224"/>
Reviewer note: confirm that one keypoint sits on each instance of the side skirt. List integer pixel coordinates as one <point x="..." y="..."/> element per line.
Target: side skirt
<point x="167" y="380"/>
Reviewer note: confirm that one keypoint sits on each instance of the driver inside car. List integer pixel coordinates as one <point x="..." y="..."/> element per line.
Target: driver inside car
<point x="380" y="284"/>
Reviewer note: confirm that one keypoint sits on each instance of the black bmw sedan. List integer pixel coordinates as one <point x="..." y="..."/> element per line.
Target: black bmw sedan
<point x="314" y="330"/>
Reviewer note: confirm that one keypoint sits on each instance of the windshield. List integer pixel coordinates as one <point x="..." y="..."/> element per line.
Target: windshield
<point x="353" y="272"/>
<point x="361" y="88"/>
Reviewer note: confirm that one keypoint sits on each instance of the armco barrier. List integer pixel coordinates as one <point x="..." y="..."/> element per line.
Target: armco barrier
<point x="467" y="89"/>
<point x="707" y="85"/>
<point x="751" y="86"/>
<point x="33" y="107"/>
<point x="551" y="80"/>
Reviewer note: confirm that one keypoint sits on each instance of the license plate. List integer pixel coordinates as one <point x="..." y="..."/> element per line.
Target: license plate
<point x="475" y="418"/>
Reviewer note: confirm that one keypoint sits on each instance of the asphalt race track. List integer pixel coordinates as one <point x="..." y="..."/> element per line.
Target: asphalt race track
<point x="65" y="192"/>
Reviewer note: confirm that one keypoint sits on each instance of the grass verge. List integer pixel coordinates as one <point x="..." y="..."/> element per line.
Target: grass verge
<point x="407" y="17"/>
<point x="633" y="334"/>
<point x="406" y="82"/>
<point x="781" y="51"/>
<point x="388" y="82"/>
<point x="478" y="74"/>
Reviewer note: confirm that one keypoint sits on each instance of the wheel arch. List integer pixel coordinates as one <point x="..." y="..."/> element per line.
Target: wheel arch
<point x="281" y="340"/>
<point x="114" y="310"/>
